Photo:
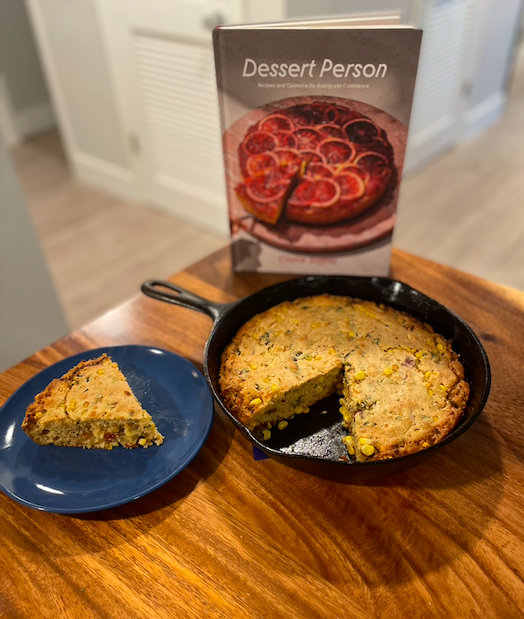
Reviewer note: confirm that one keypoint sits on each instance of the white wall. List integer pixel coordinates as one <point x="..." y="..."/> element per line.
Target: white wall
<point x="30" y="314"/>
<point x="25" y="97"/>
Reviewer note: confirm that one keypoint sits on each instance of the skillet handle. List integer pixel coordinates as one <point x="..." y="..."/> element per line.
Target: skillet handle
<point x="160" y="290"/>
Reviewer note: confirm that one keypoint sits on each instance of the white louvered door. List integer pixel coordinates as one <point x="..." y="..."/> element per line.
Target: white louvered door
<point x="163" y="68"/>
<point x="438" y="101"/>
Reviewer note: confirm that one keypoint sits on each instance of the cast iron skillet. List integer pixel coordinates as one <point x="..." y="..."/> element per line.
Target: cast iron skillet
<point x="312" y="442"/>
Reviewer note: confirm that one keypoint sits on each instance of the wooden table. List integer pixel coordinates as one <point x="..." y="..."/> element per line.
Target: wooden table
<point x="230" y="537"/>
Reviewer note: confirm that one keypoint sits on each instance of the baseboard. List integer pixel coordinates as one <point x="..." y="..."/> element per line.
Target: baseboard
<point x="108" y="177"/>
<point x="35" y="119"/>
<point x="483" y="115"/>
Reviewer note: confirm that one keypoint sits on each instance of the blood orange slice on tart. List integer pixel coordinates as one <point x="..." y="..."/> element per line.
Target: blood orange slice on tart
<point x="263" y="188"/>
<point x="361" y="130"/>
<point x="312" y="156"/>
<point x="318" y="169"/>
<point x="317" y="193"/>
<point x="375" y="163"/>
<point x="286" y="139"/>
<point x="288" y="157"/>
<point x="307" y="137"/>
<point x="324" y="112"/>
<point x="258" y="163"/>
<point x="259" y="142"/>
<point x="355" y="169"/>
<point x="331" y="131"/>
<point x="351" y="185"/>
<point x="275" y="122"/>
<point x="336" y="151"/>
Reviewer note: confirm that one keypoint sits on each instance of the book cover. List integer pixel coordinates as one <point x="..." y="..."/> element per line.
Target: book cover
<point x="314" y="124"/>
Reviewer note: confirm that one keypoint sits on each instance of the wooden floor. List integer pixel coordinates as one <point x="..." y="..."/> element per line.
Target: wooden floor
<point x="466" y="210"/>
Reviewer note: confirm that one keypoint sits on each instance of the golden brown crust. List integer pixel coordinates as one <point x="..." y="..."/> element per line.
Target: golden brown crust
<point x="91" y="406"/>
<point x="403" y="385"/>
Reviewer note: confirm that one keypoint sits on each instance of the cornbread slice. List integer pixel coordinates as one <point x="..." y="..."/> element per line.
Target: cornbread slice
<point x="403" y="386"/>
<point x="91" y="406"/>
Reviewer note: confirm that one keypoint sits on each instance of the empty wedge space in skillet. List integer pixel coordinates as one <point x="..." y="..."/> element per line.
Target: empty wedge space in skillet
<point x="402" y="386"/>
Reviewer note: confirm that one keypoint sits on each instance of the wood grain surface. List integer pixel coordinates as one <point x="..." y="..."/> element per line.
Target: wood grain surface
<point x="230" y="537"/>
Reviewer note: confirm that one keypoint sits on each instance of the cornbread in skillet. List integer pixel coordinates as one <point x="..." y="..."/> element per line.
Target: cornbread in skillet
<point x="91" y="406"/>
<point x="402" y="386"/>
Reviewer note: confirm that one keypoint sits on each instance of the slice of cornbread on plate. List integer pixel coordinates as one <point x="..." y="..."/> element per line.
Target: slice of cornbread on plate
<point x="91" y="406"/>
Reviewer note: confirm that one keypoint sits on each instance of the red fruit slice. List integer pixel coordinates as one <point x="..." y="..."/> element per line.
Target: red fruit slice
<point x="288" y="157"/>
<point x="301" y="116"/>
<point x="260" y="142"/>
<point x="260" y="189"/>
<point x="331" y="131"/>
<point x="327" y="193"/>
<point x="258" y="163"/>
<point x="345" y="115"/>
<point x="320" y="193"/>
<point x="312" y="155"/>
<point x="325" y="112"/>
<point x="375" y="163"/>
<point x="336" y="151"/>
<point x="351" y="185"/>
<point x="275" y="122"/>
<point x="307" y="137"/>
<point x="303" y="194"/>
<point x="355" y="169"/>
<point x="286" y="139"/>
<point x="361" y="130"/>
<point x="319" y="170"/>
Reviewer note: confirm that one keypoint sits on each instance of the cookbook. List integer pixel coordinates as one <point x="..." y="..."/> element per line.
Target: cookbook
<point x="314" y="119"/>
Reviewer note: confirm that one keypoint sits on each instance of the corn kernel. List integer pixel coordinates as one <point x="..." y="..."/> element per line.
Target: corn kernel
<point x="332" y="351"/>
<point x="100" y="371"/>
<point x="367" y="450"/>
<point x="360" y="375"/>
<point x="142" y="441"/>
<point x="253" y="366"/>
<point x="443" y="388"/>
<point x="86" y="404"/>
<point x="427" y="385"/>
<point x="266" y="434"/>
<point x="364" y="441"/>
<point x="427" y="375"/>
<point x="72" y="405"/>
<point x="266" y="380"/>
<point x="282" y="425"/>
<point x="277" y="333"/>
<point x="388" y="371"/>
<point x="308" y="357"/>
<point x="38" y="415"/>
<point x="436" y="418"/>
<point x="343" y="410"/>
<point x="315" y="325"/>
<point x="419" y="355"/>
<point x="349" y="441"/>
<point x="440" y="347"/>
<point x="306" y="409"/>
<point x="318" y="358"/>
<point x="351" y="334"/>
<point x="351" y="451"/>
<point x="274" y="387"/>
<point x="341" y="401"/>
<point x="425" y="445"/>
<point x="394" y="367"/>
<point x="430" y="392"/>
<point x="298" y="410"/>
<point x="429" y="342"/>
<point x="255" y="402"/>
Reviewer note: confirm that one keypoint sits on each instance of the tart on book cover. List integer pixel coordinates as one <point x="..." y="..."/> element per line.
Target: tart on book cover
<point x="314" y="125"/>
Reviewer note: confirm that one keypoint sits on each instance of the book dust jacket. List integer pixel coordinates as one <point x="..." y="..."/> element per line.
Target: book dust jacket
<point x="314" y="124"/>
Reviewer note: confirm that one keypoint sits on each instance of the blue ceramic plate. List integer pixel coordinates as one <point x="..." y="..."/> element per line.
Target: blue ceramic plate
<point x="67" y="480"/>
